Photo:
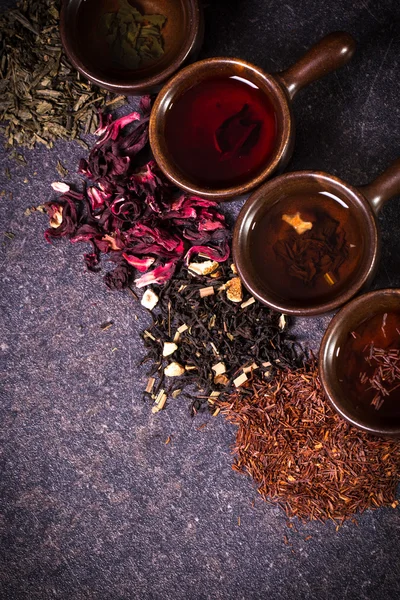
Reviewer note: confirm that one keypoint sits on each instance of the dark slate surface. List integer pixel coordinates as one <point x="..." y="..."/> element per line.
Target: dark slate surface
<point x="94" y="504"/>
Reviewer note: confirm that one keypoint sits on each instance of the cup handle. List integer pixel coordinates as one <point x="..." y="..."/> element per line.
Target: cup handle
<point x="383" y="188"/>
<point x="330" y="53"/>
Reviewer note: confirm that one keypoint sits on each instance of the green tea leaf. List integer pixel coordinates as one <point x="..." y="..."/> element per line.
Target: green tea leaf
<point x="43" y="107"/>
<point x="61" y="170"/>
<point x="39" y="90"/>
<point x="156" y="20"/>
<point x="134" y="39"/>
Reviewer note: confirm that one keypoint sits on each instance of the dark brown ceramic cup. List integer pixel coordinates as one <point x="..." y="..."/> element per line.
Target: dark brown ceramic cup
<point x="364" y="204"/>
<point x="348" y="319"/>
<point x="182" y="34"/>
<point x="330" y="53"/>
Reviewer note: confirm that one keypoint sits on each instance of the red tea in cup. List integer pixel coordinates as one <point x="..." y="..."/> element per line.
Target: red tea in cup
<point x="221" y="132"/>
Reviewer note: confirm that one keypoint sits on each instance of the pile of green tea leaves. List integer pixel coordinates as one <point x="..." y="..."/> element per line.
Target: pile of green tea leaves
<point x="42" y="97"/>
<point x="135" y="39"/>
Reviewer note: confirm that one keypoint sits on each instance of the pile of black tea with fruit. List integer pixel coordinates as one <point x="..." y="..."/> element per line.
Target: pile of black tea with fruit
<point x="209" y="335"/>
<point x="42" y="97"/>
<point x="303" y="456"/>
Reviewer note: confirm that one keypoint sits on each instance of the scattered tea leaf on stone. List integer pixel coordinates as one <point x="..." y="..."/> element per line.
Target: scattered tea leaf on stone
<point x="61" y="170"/>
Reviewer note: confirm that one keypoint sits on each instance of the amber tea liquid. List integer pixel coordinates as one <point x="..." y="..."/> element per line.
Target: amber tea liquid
<point x="221" y="132"/>
<point x="383" y="332"/>
<point x="307" y="247"/>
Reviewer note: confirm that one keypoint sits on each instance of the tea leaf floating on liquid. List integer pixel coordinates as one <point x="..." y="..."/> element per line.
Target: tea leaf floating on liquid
<point x="238" y="134"/>
<point x="135" y="39"/>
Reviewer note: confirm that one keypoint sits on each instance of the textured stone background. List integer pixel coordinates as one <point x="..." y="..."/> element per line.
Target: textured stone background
<point x="94" y="505"/>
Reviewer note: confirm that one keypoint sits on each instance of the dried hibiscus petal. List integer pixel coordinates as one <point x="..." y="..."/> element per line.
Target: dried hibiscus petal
<point x="192" y="201"/>
<point x="141" y="264"/>
<point x="158" y="275"/>
<point x="111" y="129"/>
<point x="210" y="225"/>
<point x="85" y="233"/>
<point x="131" y="213"/>
<point x="66" y="207"/>
<point x="119" y="278"/>
<point x="219" y="255"/>
<point x="126" y="209"/>
<point x="133" y="142"/>
<point x="92" y="261"/>
<point x="156" y="234"/>
<point x="97" y="197"/>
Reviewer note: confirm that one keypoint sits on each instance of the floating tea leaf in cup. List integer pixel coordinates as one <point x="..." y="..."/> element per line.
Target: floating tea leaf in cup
<point x="122" y="35"/>
<point x="369" y="365"/>
<point x="221" y="131"/>
<point x="307" y="246"/>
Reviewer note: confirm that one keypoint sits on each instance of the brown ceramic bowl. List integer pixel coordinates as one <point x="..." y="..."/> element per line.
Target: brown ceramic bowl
<point x="356" y="409"/>
<point x="182" y="34"/>
<point x="363" y="205"/>
<point x="330" y="53"/>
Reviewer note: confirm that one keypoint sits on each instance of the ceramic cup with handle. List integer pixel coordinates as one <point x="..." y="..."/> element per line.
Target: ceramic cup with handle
<point x="349" y="396"/>
<point x="330" y="53"/>
<point x="262" y="231"/>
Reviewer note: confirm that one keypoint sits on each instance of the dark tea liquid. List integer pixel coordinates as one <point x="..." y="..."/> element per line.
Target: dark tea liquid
<point x="221" y="132"/>
<point x="356" y="365"/>
<point x="306" y="247"/>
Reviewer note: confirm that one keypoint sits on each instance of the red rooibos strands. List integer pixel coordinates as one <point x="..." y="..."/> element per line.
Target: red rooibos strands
<point x="303" y="456"/>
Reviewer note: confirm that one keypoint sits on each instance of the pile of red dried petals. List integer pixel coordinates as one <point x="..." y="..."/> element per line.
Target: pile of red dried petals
<point x="133" y="214"/>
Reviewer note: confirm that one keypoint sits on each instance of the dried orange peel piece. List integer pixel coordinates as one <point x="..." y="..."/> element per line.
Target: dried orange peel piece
<point x="330" y="278"/>
<point x="297" y="223"/>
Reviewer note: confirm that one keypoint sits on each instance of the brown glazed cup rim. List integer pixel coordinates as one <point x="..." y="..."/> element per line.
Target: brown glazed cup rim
<point x="145" y="83"/>
<point x="345" y="321"/>
<point x="190" y="73"/>
<point x="255" y="203"/>
<point x="329" y="53"/>
<point x="367" y="200"/>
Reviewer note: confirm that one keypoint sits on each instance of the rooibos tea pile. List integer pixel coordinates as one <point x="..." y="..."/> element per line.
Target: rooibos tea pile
<point x="307" y="247"/>
<point x="303" y="456"/>
<point x="42" y="98"/>
<point x="369" y="365"/>
<point x="221" y="132"/>
<point x="132" y="214"/>
<point x="210" y="334"/>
